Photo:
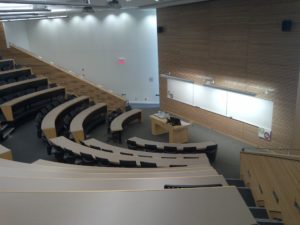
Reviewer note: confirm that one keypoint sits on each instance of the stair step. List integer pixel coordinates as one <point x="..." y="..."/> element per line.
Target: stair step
<point x="3" y="127"/>
<point x="235" y="182"/>
<point x="247" y="196"/>
<point x="259" y="212"/>
<point x="7" y="132"/>
<point x="269" y="222"/>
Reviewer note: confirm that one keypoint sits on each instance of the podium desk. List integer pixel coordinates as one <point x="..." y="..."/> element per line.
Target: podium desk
<point x="177" y="134"/>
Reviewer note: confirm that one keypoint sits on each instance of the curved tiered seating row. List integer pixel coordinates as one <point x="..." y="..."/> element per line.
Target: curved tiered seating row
<point x="115" y="157"/>
<point x="17" y="89"/>
<point x="14" y="75"/>
<point x="116" y="126"/>
<point x="19" y="107"/>
<point x="7" y="64"/>
<point x="86" y="120"/>
<point x="52" y="123"/>
<point x="208" y="147"/>
<point x="96" y="144"/>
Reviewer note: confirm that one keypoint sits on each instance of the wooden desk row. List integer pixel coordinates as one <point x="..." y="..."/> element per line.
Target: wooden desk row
<point x="116" y="126"/>
<point x="115" y="157"/>
<point x="12" y="88"/>
<point x="7" y="64"/>
<point x="77" y="126"/>
<point x="49" y="123"/>
<point x="15" y="74"/>
<point x="104" y="146"/>
<point x="9" y="108"/>
<point x="140" y="142"/>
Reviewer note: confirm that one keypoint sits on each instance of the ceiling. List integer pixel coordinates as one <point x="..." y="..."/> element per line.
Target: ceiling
<point x="10" y="10"/>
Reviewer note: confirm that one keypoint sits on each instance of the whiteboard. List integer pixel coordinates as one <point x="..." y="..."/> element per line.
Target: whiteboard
<point x="181" y="91"/>
<point x="255" y="111"/>
<point x="210" y="99"/>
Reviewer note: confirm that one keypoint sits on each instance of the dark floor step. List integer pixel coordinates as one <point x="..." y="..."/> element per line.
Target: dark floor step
<point x="3" y="127"/>
<point x="7" y="132"/>
<point x="259" y="212"/>
<point x="235" y="182"/>
<point x="269" y="222"/>
<point x="247" y="196"/>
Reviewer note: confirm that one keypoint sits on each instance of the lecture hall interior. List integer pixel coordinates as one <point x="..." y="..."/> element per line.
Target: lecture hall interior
<point x="149" y="112"/>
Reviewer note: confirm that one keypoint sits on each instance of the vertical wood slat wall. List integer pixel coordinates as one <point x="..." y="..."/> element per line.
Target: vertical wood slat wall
<point x="238" y="43"/>
<point x="275" y="184"/>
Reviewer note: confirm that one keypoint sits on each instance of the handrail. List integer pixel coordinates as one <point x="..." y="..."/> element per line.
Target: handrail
<point x="271" y="152"/>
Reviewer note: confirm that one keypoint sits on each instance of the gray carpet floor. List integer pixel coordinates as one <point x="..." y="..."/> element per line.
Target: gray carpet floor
<point x="27" y="147"/>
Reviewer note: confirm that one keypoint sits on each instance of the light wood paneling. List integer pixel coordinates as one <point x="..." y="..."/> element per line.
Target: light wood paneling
<point x="238" y="43"/>
<point x="269" y="173"/>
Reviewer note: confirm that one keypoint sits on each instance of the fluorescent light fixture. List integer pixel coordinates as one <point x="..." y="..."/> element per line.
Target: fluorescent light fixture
<point x="13" y="6"/>
<point x="31" y="18"/>
<point x="25" y="10"/>
<point x="20" y="2"/>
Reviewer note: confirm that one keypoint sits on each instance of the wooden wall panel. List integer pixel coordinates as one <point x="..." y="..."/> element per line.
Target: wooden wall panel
<point x="268" y="173"/>
<point x="72" y="83"/>
<point x="238" y="43"/>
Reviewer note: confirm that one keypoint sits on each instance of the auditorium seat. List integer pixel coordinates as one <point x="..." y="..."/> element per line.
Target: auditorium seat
<point x="87" y="159"/>
<point x="125" y="163"/>
<point x="170" y="149"/>
<point x="148" y="165"/>
<point x="132" y="145"/>
<point x="151" y="148"/>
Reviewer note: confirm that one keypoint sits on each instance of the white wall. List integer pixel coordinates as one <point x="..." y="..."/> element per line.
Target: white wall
<point x="16" y="33"/>
<point x="91" y="44"/>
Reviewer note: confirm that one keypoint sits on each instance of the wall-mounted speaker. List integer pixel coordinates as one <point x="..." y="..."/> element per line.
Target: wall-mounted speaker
<point x="160" y="29"/>
<point x="286" y="25"/>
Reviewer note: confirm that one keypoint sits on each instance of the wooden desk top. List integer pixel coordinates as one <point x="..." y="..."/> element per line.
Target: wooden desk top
<point x="14" y="70"/>
<point x="77" y="122"/>
<point x="29" y="96"/>
<point x="116" y="156"/>
<point x="196" y="170"/>
<point x="203" y="206"/>
<point x="20" y="83"/>
<point x="50" y="119"/>
<point x="161" y="145"/>
<point x="102" y="145"/>
<point x="116" y="124"/>
<point x="54" y="185"/>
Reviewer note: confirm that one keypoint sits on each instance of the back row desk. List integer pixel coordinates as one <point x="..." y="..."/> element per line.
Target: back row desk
<point x="81" y="168"/>
<point x="203" y="206"/>
<point x="8" y="107"/>
<point x="49" y="122"/>
<point x="104" y="146"/>
<point x="61" y="173"/>
<point x="78" y="122"/>
<point x="200" y="170"/>
<point x="53" y="184"/>
<point x="115" y="157"/>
